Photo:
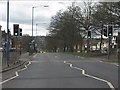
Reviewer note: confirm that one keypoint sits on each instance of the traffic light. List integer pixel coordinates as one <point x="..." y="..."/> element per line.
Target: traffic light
<point x="110" y="30"/>
<point x="20" y="31"/>
<point x="16" y="29"/>
<point x="89" y="34"/>
<point x="105" y="31"/>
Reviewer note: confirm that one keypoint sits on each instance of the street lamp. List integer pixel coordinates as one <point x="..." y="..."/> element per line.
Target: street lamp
<point x="37" y="25"/>
<point x="33" y="16"/>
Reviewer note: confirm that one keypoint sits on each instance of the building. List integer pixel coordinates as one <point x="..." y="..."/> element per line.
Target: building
<point x="11" y="40"/>
<point x="40" y="42"/>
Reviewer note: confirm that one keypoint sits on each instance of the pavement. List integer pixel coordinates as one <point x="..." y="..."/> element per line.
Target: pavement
<point x="8" y="72"/>
<point x="23" y="58"/>
<point x="56" y="70"/>
<point x="103" y="58"/>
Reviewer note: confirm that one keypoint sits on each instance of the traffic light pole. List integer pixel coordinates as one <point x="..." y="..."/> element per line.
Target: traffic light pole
<point x="101" y="40"/>
<point x="19" y="38"/>
<point x="118" y="47"/>
<point x="20" y="46"/>
<point x="108" y="48"/>
<point x="7" y="36"/>
<point x="16" y="46"/>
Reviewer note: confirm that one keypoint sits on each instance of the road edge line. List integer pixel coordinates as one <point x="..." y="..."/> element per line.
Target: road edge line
<point x="35" y="55"/>
<point x="97" y="78"/>
<point x="109" y="63"/>
<point x="16" y="73"/>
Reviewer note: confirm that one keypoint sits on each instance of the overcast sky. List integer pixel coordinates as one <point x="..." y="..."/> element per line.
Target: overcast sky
<point x="21" y="13"/>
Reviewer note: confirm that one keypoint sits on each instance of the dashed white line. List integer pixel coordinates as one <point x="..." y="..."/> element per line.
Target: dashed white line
<point x="16" y="74"/>
<point x="83" y="72"/>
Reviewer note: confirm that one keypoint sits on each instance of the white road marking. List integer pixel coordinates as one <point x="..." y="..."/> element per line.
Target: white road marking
<point x="56" y="56"/>
<point x="8" y="80"/>
<point x="83" y="72"/>
<point x="16" y="74"/>
<point x="36" y="61"/>
<point x="116" y="64"/>
<point x="110" y="63"/>
<point x="23" y="59"/>
<point x="35" y="55"/>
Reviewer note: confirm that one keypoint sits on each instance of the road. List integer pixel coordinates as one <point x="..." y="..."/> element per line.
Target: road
<point x="57" y="70"/>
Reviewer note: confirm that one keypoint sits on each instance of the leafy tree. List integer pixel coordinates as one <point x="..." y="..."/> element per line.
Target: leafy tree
<point x="25" y="44"/>
<point x="70" y="27"/>
<point x="106" y="13"/>
<point x="65" y="28"/>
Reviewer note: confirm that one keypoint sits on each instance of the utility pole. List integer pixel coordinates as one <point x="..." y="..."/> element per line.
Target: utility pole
<point x="7" y="36"/>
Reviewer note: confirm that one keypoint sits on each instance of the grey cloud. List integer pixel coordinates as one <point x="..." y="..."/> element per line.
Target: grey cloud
<point x="24" y="18"/>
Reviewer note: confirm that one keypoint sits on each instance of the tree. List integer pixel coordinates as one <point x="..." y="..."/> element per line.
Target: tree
<point x="71" y="26"/>
<point x="25" y="44"/>
<point x="106" y="13"/>
<point x="65" y="27"/>
<point x="87" y="20"/>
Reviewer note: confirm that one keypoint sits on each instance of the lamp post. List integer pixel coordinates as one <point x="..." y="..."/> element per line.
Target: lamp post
<point x="36" y="29"/>
<point x="37" y="25"/>
<point x="33" y="16"/>
<point x="32" y="19"/>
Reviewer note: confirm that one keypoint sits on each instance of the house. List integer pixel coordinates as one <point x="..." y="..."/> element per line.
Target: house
<point x="11" y="40"/>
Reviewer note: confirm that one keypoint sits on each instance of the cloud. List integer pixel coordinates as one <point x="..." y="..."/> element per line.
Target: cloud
<point x="21" y="13"/>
